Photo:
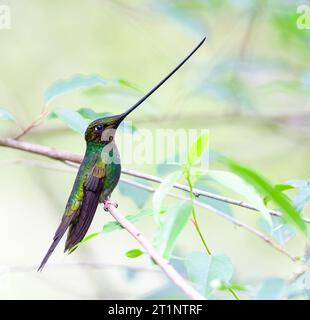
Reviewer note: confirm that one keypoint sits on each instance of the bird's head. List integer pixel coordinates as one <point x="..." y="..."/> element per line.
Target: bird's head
<point x="103" y="130"/>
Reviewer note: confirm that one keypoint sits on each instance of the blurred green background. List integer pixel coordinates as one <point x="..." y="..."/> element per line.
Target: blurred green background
<point x="249" y="85"/>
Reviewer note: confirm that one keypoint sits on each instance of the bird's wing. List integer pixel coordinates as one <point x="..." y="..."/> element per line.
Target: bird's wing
<point x="79" y="213"/>
<point x="62" y="228"/>
<point x="92" y="189"/>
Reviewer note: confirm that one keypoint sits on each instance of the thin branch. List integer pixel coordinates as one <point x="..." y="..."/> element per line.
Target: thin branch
<point x="38" y="164"/>
<point x="38" y="121"/>
<point x="41" y="150"/>
<point x="44" y="165"/>
<point x="197" y="192"/>
<point x="162" y="263"/>
<point x="235" y="221"/>
<point x="250" y="229"/>
<point x="196" y="225"/>
<point x="75" y="158"/>
<point x="299" y="272"/>
<point x="301" y="268"/>
<point x="171" y="273"/>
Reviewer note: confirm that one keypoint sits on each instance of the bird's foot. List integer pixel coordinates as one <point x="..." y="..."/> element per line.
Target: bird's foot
<point x="107" y="203"/>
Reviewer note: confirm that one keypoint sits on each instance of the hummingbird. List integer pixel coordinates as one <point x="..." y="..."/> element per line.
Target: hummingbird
<point x="97" y="176"/>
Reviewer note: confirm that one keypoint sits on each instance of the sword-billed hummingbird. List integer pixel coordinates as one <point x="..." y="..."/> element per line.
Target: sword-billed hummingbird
<point x="98" y="174"/>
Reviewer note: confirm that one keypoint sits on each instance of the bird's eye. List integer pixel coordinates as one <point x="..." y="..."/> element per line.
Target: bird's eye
<point x="99" y="127"/>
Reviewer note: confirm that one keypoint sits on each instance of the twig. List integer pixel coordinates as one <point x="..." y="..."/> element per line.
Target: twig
<point x="221" y="214"/>
<point x="191" y="196"/>
<point x="38" y="164"/>
<point x="197" y="192"/>
<point x="301" y="268"/>
<point x="34" y="124"/>
<point x="44" y="165"/>
<point x="75" y="158"/>
<point x="178" y="280"/>
<point x="250" y="229"/>
<point x="41" y="150"/>
<point x="299" y="272"/>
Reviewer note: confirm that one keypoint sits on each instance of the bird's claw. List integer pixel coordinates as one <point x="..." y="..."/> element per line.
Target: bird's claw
<point x="108" y="203"/>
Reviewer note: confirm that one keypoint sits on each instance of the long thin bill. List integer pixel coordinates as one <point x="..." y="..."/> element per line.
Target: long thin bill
<point x="125" y="114"/>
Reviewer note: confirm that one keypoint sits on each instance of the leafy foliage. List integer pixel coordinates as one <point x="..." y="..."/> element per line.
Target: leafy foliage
<point x="279" y="230"/>
<point x="71" y="118"/>
<point x="197" y="149"/>
<point x="134" y="253"/>
<point x="162" y="191"/>
<point x="207" y="271"/>
<point x="240" y="186"/>
<point x="290" y="214"/>
<point x="237" y="87"/>
<point x="224" y="207"/>
<point x="76" y="82"/>
<point x="79" y="81"/>
<point x="173" y="222"/>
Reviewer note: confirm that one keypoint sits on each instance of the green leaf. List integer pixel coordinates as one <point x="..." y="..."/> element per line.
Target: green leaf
<point x="236" y="286"/>
<point x="197" y="149"/>
<point x="203" y="270"/>
<point x="280" y="188"/>
<point x="127" y="84"/>
<point x="71" y="118"/>
<point x="134" y="253"/>
<point x="74" y="83"/>
<point x="113" y="225"/>
<point x="272" y="289"/>
<point x="280" y="231"/>
<point x="240" y="186"/>
<point x="174" y="221"/>
<point x="290" y="214"/>
<point x="6" y="115"/>
<point x="162" y="191"/>
<point x="223" y="286"/>
<point x="99" y="89"/>
<point x="283" y="187"/>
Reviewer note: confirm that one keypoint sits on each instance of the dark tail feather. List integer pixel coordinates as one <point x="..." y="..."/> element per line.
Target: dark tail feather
<point x="80" y="226"/>
<point x="58" y="235"/>
<point x="82" y="218"/>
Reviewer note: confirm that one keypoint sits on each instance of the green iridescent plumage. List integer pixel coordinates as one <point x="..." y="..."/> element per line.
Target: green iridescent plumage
<point x="97" y="177"/>
<point x="98" y="174"/>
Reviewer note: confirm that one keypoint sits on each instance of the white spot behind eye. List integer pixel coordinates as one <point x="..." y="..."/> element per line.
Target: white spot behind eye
<point x="108" y="134"/>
